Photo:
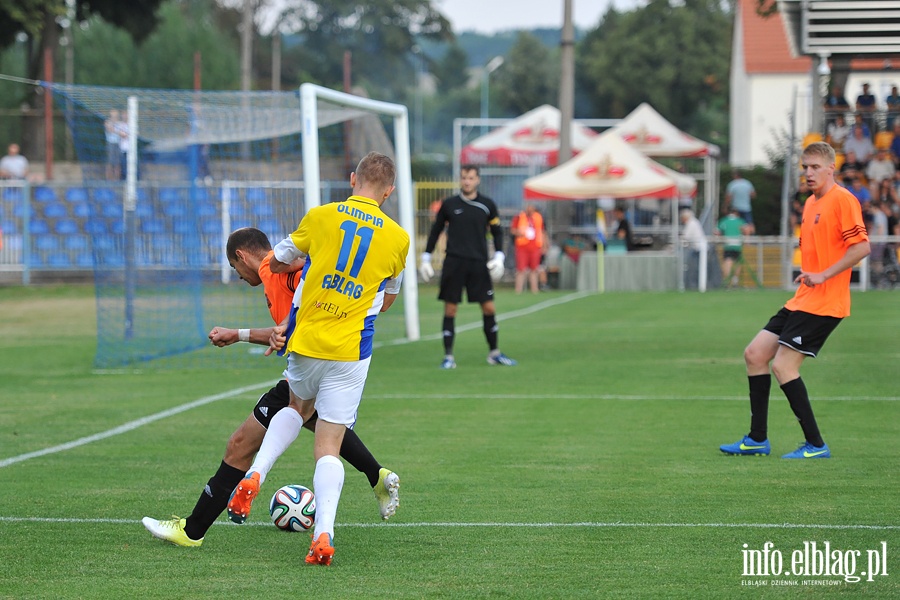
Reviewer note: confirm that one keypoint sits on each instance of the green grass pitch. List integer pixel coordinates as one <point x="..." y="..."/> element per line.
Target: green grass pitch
<point x="590" y="470"/>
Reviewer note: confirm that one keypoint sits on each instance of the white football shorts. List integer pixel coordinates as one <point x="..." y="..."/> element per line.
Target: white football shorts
<point x="337" y="386"/>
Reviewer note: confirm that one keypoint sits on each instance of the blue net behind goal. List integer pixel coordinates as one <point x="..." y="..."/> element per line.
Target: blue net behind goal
<point x="205" y="164"/>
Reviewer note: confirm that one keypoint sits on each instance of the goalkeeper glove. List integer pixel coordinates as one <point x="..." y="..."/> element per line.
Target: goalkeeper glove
<point x="426" y="272"/>
<point x="495" y="265"/>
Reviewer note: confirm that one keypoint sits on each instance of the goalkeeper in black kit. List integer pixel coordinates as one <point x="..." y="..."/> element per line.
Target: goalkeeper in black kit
<point x="467" y="218"/>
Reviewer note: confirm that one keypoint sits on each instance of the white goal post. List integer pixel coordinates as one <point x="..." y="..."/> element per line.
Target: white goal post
<point x="310" y="95"/>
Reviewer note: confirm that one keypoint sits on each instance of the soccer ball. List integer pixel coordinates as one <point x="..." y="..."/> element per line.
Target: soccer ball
<point x="293" y="508"/>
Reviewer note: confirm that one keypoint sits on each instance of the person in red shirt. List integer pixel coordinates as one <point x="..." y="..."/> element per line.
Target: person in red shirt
<point x="249" y="252"/>
<point x="528" y="229"/>
<point x="832" y="240"/>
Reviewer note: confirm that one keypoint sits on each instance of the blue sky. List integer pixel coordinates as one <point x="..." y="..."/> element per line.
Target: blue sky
<point x="488" y="16"/>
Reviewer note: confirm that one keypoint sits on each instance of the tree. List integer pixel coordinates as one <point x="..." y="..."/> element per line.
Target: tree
<point x="38" y="20"/>
<point x="529" y="76"/>
<point x="380" y="34"/>
<point x="452" y="71"/>
<point x="108" y="56"/>
<point x="674" y="56"/>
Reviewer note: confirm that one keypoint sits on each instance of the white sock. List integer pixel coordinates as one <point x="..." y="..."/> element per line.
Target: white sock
<point x="327" y="483"/>
<point x="283" y="430"/>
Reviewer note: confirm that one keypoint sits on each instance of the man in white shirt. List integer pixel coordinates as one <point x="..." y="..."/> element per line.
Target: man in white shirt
<point x="13" y="165"/>
<point x="880" y="168"/>
<point x="859" y="143"/>
<point x="694" y="240"/>
<point x="692" y="234"/>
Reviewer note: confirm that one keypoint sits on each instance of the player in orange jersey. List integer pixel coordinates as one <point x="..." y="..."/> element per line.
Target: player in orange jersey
<point x="832" y="240"/>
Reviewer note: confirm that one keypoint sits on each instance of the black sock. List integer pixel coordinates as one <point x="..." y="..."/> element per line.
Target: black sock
<point x="449" y="334"/>
<point x="359" y="457"/>
<point x="213" y="500"/>
<point x="490" y="331"/>
<point x="799" y="399"/>
<point x="759" y="406"/>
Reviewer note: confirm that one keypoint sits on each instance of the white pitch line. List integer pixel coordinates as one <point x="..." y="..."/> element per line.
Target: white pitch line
<point x="208" y="399"/>
<point x="510" y="525"/>
<point x="604" y="397"/>
<point x="131" y="425"/>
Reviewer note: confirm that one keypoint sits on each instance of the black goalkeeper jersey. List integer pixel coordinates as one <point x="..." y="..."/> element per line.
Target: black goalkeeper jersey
<point x="467" y="223"/>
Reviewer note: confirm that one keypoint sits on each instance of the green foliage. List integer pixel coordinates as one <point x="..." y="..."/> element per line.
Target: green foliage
<point x="380" y="35"/>
<point x="528" y="77"/>
<point x="452" y="70"/>
<point x="559" y="478"/>
<point x="137" y="17"/>
<point x="108" y="56"/>
<point x="674" y="56"/>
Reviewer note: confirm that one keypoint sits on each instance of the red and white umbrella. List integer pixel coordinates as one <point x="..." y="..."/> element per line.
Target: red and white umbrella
<point x="609" y="168"/>
<point x="531" y="139"/>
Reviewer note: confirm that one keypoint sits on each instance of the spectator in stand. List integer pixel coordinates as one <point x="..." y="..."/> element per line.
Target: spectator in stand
<point x="837" y="132"/>
<point x="835" y="104"/>
<point x="738" y="195"/>
<point x="860" y="144"/>
<point x="530" y="235"/>
<point x="887" y="193"/>
<point x="865" y="107"/>
<point x="13" y="165"/>
<point x="877" y="226"/>
<point x="880" y="168"/>
<point x="894" y="148"/>
<point x="893" y="107"/>
<point x="851" y="168"/>
<point x="861" y="192"/>
<point x="859" y="120"/>
<point x="893" y="218"/>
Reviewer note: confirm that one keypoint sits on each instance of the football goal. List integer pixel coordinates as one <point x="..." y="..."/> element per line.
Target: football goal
<point x="168" y="174"/>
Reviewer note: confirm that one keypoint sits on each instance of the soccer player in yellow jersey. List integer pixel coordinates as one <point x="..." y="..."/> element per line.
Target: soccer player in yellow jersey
<point x="832" y="239"/>
<point x="355" y="260"/>
<point x="248" y="251"/>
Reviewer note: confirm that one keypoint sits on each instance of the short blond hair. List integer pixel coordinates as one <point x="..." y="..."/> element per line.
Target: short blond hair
<point x="822" y="150"/>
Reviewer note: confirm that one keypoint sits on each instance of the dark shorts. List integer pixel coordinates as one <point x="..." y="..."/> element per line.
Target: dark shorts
<point x="732" y="254"/>
<point x="470" y="273"/>
<point x="746" y="215"/>
<point x="804" y="332"/>
<point x="271" y="402"/>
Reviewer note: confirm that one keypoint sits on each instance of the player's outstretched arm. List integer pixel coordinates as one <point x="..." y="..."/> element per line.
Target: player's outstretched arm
<point x="225" y="336"/>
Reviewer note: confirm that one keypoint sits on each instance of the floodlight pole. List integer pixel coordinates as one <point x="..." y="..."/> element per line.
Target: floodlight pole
<point x="489" y="68"/>
<point x="418" y="110"/>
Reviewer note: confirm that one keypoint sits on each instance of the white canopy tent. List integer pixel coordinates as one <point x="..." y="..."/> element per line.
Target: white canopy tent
<point x="530" y="139"/>
<point x="611" y="167"/>
<point x="649" y="132"/>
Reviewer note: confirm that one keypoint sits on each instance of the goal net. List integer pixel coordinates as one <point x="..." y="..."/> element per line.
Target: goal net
<point x="168" y="174"/>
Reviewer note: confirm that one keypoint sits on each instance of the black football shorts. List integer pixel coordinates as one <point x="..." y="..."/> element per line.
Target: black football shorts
<point x="802" y="331"/>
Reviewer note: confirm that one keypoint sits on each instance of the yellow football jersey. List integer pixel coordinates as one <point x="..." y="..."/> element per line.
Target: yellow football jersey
<point x="354" y="249"/>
